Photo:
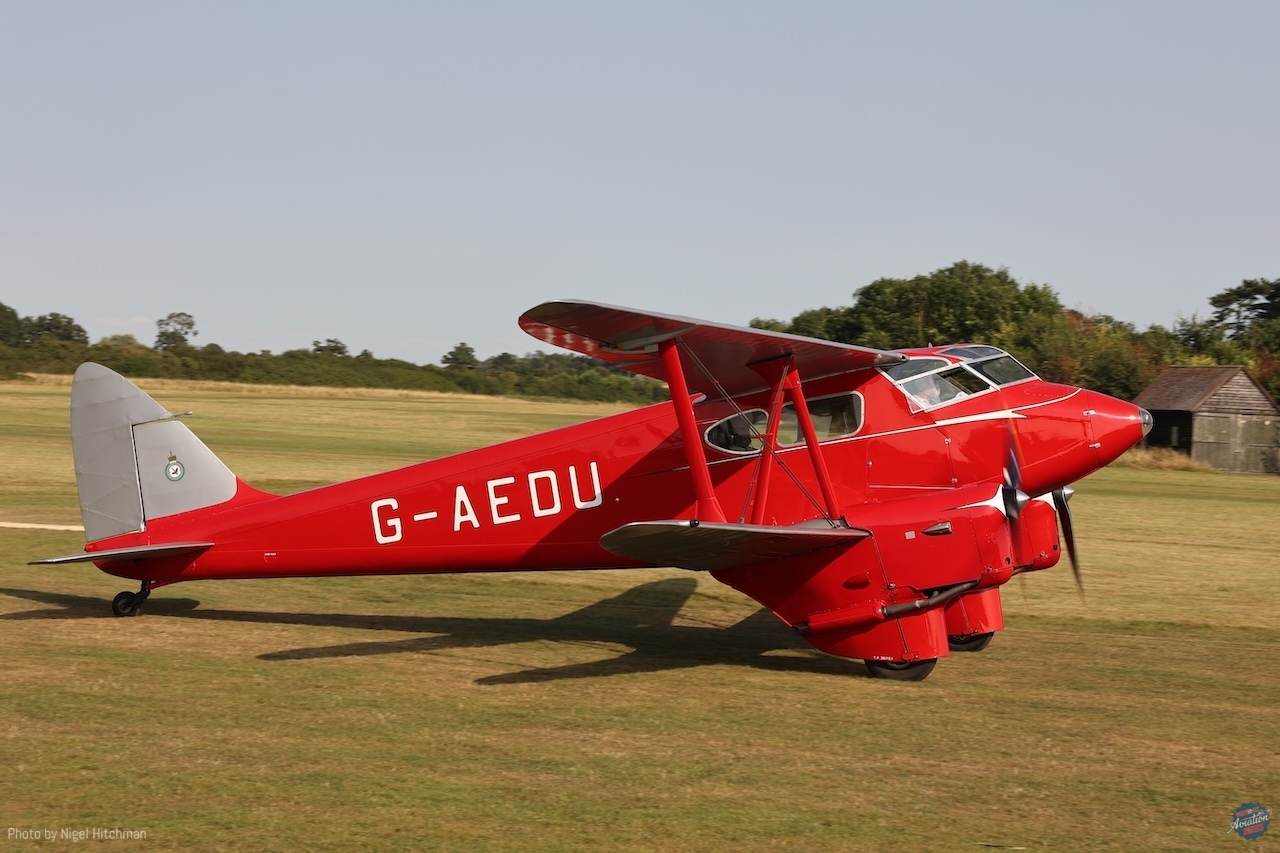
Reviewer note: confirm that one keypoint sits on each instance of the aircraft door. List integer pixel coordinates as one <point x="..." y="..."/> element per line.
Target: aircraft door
<point x="911" y="459"/>
<point x="848" y="464"/>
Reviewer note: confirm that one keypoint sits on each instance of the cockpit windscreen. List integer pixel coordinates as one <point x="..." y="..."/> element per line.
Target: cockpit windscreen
<point x="932" y="381"/>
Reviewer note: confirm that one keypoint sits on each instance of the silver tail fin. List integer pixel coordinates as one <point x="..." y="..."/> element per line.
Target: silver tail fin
<point x="135" y="461"/>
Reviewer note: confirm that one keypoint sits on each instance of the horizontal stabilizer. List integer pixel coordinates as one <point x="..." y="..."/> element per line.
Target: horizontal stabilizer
<point x="141" y="552"/>
<point x="707" y="546"/>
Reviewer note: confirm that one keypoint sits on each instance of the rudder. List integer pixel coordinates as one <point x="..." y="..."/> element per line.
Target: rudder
<point x="135" y="461"/>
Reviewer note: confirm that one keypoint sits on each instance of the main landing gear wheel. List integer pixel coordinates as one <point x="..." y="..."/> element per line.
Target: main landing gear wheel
<point x="125" y="604"/>
<point x="901" y="670"/>
<point x="130" y="603"/>
<point x="970" y="643"/>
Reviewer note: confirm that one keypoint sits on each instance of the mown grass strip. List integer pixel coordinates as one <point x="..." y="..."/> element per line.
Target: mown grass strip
<point x="651" y="710"/>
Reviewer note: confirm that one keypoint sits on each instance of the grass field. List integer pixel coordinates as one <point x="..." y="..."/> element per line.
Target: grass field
<point x="651" y="710"/>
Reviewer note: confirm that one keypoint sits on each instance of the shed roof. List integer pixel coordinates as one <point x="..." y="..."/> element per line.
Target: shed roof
<point x="1188" y="389"/>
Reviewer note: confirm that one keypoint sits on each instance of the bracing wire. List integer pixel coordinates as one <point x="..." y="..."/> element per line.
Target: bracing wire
<point x="765" y="446"/>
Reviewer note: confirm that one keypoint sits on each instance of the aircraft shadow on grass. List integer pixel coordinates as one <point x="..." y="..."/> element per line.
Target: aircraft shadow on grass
<point x="641" y="618"/>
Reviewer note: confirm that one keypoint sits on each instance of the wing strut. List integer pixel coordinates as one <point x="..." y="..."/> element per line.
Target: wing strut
<point x="794" y="391"/>
<point x="708" y="504"/>
<point x="786" y="382"/>
<point x="758" y="494"/>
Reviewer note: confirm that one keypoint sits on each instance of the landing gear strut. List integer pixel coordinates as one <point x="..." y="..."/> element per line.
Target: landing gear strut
<point x="130" y="603"/>
<point x="901" y="670"/>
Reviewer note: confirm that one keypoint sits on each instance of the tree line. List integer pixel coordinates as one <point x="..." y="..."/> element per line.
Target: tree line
<point x="971" y="303"/>
<point x="965" y="302"/>
<point x="55" y="343"/>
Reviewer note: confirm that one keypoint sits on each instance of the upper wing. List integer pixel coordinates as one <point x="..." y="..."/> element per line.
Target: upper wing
<point x="629" y="339"/>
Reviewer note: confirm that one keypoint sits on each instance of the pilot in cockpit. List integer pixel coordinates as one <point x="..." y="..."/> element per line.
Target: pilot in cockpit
<point x="740" y="436"/>
<point x="926" y="390"/>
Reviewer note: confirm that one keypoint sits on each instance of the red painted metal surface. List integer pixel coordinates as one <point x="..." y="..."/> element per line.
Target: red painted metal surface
<point x="930" y="484"/>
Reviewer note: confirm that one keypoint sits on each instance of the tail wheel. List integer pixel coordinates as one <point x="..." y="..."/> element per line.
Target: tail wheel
<point x="130" y="603"/>
<point x="970" y="643"/>
<point x="901" y="670"/>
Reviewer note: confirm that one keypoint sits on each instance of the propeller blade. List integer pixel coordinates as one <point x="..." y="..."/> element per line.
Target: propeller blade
<point x="1014" y="498"/>
<point x="1060" y="503"/>
<point x="1012" y="468"/>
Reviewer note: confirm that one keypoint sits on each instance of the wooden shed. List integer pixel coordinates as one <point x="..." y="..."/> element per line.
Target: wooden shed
<point x="1221" y="416"/>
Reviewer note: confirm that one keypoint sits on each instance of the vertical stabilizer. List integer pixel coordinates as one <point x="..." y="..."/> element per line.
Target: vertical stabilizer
<point x="134" y="460"/>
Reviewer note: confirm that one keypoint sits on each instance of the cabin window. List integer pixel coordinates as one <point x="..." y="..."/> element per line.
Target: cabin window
<point x="946" y="386"/>
<point x="914" y="367"/>
<point x="739" y="433"/>
<point x="972" y="351"/>
<point x="833" y="417"/>
<point x="1004" y="370"/>
<point x="930" y="382"/>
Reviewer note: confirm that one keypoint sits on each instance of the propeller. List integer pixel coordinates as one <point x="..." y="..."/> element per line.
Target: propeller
<point x="1015" y="499"/>
<point x="1060" y="503"/>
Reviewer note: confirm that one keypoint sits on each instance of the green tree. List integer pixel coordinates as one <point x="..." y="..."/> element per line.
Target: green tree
<point x="1238" y="307"/>
<point x="58" y="327"/>
<point x="330" y="345"/>
<point x="122" y="342"/>
<point x="50" y="354"/>
<point x="1164" y="346"/>
<point x="831" y="324"/>
<point x="125" y="354"/>
<point x="963" y="302"/>
<point x="1113" y="359"/>
<point x="1263" y="335"/>
<point x="10" y="326"/>
<point x="1263" y="340"/>
<point x="175" y="331"/>
<point x="1206" y="341"/>
<point x="461" y="357"/>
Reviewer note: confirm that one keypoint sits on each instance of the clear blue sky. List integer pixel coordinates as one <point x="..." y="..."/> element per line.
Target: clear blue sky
<point x="407" y="175"/>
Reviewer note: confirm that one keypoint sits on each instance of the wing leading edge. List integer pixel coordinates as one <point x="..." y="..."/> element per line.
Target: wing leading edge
<point x="630" y="338"/>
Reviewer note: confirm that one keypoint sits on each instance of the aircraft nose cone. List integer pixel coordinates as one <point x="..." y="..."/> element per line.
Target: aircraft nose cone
<point x="1115" y="425"/>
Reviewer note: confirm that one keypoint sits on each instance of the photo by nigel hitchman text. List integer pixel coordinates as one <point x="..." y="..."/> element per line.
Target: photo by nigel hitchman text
<point x="97" y="833"/>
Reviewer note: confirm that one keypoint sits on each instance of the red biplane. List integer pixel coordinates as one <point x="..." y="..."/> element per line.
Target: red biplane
<point x="874" y="500"/>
